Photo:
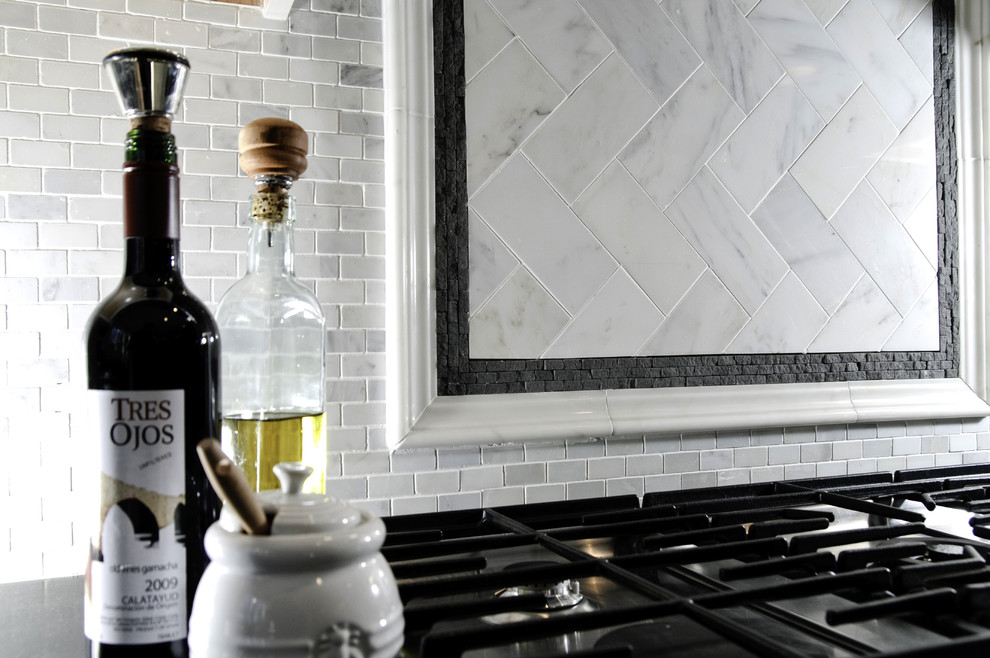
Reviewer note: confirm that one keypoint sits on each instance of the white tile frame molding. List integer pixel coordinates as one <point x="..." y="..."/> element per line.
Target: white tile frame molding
<point x="418" y="417"/>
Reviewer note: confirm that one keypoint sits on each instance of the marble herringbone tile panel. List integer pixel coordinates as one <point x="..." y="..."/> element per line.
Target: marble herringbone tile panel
<point x="659" y="177"/>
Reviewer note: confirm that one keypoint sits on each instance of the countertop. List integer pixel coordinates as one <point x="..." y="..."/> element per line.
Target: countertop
<point x="41" y="618"/>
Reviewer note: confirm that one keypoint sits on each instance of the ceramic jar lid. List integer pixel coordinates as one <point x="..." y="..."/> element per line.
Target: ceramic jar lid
<point x="297" y="512"/>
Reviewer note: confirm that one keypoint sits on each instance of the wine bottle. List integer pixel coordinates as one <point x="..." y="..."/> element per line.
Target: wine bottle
<point x="153" y="361"/>
<point x="272" y="326"/>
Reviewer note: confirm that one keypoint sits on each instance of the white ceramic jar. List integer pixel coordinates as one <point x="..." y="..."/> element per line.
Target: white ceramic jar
<point x="316" y="586"/>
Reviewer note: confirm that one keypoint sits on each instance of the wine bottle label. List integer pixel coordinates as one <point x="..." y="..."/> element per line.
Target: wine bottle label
<point x="136" y="572"/>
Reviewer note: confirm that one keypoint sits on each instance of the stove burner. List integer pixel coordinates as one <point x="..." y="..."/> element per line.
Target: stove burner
<point x="557" y="595"/>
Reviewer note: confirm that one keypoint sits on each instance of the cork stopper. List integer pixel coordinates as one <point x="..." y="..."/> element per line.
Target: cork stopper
<point x="273" y="147"/>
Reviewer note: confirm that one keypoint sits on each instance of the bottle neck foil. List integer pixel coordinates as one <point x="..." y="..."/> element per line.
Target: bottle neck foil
<point x="151" y="185"/>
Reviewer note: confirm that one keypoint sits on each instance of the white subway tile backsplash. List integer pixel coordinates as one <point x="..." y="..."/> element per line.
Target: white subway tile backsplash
<point x="816" y="452"/>
<point x="437" y="482"/>
<point x="748" y="457"/>
<point x="573" y="470"/>
<point x="579" y="490"/>
<point x="20" y="179"/>
<point x="681" y="462"/>
<point x="962" y="443"/>
<point x="362" y="29"/>
<point x="784" y="454"/>
<point x="19" y="69"/>
<point x="525" y="474"/>
<point x="37" y="44"/>
<point x="667" y="482"/>
<point x="19" y="290"/>
<point x="878" y="448"/>
<point x="503" y="496"/>
<point x="63" y="19"/>
<point x="891" y="463"/>
<point x="800" y="471"/>
<point x="625" y="486"/>
<point x="360" y="463"/>
<point x="458" y="501"/>
<point x="712" y="460"/>
<point x="699" y="479"/>
<point x="36" y="263"/>
<point x="799" y="435"/>
<point x="733" y="476"/>
<point x="19" y="124"/>
<point x="69" y="74"/>
<point x="125" y="27"/>
<point x="907" y="445"/>
<point x="18" y="14"/>
<point x="19" y="344"/>
<point x="767" y="437"/>
<point x="979" y="457"/>
<point x="644" y="465"/>
<point x="624" y="447"/>
<point x="920" y="461"/>
<point x="949" y="459"/>
<point x="831" y="469"/>
<point x="71" y="181"/>
<point x="847" y="450"/>
<point x="586" y="448"/>
<point x="413" y="461"/>
<point x="35" y="207"/>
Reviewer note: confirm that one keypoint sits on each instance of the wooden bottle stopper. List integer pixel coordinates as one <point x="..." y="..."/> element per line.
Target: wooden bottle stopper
<point x="273" y="147"/>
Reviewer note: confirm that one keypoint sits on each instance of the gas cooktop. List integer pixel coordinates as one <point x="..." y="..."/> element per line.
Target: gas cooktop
<point x="889" y="564"/>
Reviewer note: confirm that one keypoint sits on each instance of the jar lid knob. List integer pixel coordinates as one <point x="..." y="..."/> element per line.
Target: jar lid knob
<point x="292" y="476"/>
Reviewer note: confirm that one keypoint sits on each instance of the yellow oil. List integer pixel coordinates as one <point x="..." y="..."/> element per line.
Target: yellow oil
<point x="257" y="445"/>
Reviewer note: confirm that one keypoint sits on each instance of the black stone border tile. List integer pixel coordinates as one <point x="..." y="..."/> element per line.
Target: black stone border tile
<point x="458" y="374"/>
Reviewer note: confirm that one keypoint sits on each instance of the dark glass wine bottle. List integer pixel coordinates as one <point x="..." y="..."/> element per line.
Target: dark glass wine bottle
<point x="153" y="356"/>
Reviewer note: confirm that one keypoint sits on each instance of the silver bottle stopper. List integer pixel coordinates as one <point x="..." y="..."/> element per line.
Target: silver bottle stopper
<point x="149" y="82"/>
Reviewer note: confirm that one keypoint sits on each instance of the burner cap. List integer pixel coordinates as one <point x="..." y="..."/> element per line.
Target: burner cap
<point x="558" y="595"/>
